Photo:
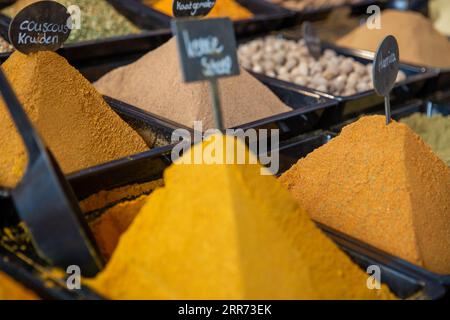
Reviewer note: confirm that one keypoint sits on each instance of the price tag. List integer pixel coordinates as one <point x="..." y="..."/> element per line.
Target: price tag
<point x="312" y="41"/>
<point x="40" y="26"/>
<point x="386" y="66"/>
<point x="207" y="48"/>
<point x="192" y="8"/>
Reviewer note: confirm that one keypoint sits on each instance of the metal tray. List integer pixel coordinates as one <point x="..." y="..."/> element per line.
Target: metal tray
<point x="429" y="107"/>
<point x="267" y="17"/>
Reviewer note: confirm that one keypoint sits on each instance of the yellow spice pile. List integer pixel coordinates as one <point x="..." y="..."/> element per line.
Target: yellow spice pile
<point x="418" y="41"/>
<point x="383" y="185"/>
<point x="73" y="119"/>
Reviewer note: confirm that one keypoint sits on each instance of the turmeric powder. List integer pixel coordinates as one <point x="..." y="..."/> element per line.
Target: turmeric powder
<point x="227" y="232"/>
<point x="73" y="119"/>
<point x="11" y="290"/>
<point x="382" y="185"/>
<point x="223" y="8"/>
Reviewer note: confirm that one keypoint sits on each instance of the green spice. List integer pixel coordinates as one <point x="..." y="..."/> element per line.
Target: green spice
<point x="5" y="46"/>
<point x="435" y="131"/>
<point x="99" y="19"/>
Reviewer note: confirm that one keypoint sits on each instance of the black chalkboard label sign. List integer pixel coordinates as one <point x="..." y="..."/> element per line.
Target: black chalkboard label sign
<point x="386" y="66"/>
<point x="40" y="26"/>
<point x="207" y="48"/>
<point x="192" y="8"/>
<point x="312" y="41"/>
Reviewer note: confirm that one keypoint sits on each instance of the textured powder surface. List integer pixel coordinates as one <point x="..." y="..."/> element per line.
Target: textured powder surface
<point x="383" y="185"/>
<point x="11" y="290"/>
<point x="99" y="19"/>
<point x="439" y="11"/>
<point x="223" y="8"/>
<point x="433" y="130"/>
<point x="227" y="232"/>
<point x="418" y="41"/>
<point x="73" y="119"/>
<point x="154" y="83"/>
<point x="106" y="198"/>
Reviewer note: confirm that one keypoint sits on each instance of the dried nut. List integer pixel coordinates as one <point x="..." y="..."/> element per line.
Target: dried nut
<point x="346" y="66"/>
<point x="352" y="79"/>
<point x="279" y="58"/>
<point x="285" y="77"/>
<point x="301" y="81"/>
<point x="322" y="88"/>
<point x="290" y="64"/>
<point x="362" y="86"/>
<point x="290" y="61"/>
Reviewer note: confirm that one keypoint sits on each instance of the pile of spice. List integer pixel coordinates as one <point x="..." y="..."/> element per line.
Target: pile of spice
<point x="418" y="41"/>
<point x="439" y="11"/>
<point x="382" y="185"/>
<point x="244" y="99"/>
<point x="290" y="61"/>
<point x="308" y="5"/>
<point x="5" y="46"/>
<point x="435" y="131"/>
<point x="223" y="8"/>
<point x="191" y="241"/>
<point x="99" y="19"/>
<point x="11" y="290"/>
<point x="76" y="123"/>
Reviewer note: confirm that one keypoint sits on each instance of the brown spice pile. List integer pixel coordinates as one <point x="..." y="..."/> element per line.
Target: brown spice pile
<point x="154" y="83"/>
<point x="418" y="41"/>
<point x="73" y="119"/>
<point x="383" y="185"/>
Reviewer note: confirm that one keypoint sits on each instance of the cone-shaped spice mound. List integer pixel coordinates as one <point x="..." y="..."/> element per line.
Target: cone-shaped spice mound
<point x="418" y="41"/>
<point x="383" y="185"/>
<point x="71" y="116"/>
<point x="227" y="232"/>
<point x="154" y="83"/>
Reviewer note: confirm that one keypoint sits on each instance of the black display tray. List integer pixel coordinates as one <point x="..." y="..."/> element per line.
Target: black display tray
<point x="267" y="16"/>
<point x="292" y="151"/>
<point x="405" y="280"/>
<point x="418" y="83"/>
<point x="39" y="279"/>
